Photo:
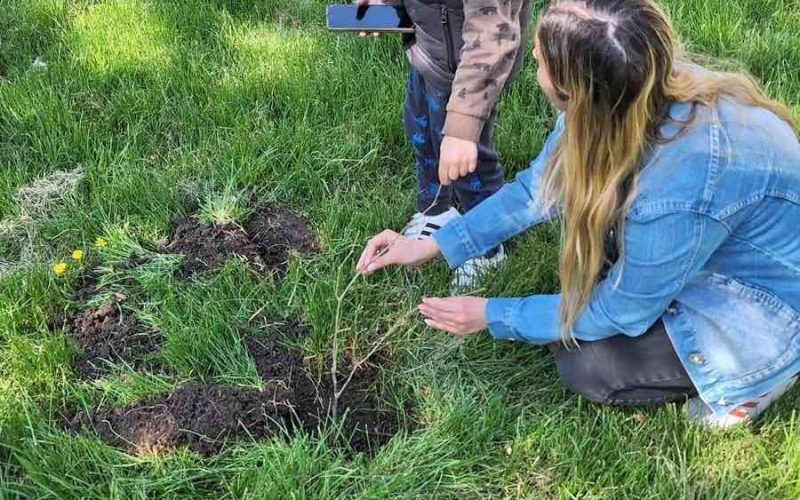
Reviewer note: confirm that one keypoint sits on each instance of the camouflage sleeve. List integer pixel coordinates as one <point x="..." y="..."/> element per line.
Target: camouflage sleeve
<point x="491" y="40"/>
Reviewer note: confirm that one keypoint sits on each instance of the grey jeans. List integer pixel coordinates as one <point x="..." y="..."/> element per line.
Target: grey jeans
<point x="625" y="371"/>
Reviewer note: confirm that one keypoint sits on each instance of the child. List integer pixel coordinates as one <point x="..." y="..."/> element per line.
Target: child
<point x="462" y="56"/>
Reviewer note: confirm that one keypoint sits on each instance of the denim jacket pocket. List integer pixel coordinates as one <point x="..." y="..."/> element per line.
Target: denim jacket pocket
<point x="748" y="332"/>
<point x="760" y="296"/>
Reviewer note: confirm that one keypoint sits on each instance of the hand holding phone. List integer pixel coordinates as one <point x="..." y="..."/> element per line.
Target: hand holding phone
<point x="363" y="17"/>
<point x="362" y="10"/>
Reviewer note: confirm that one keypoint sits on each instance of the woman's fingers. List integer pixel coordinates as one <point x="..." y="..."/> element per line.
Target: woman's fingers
<point x="366" y="254"/>
<point x="380" y="261"/>
<point x="445" y="327"/>
<point x="363" y="258"/>
<point x="457" y="315"/>
<point x="440" y="316"/>
<point x="390" y="248"/>
<point x="374" y="247"/>
<point x="440" y="304"/>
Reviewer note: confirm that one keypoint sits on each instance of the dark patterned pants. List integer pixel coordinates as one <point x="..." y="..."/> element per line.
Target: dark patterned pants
<point x="424" y="116"/>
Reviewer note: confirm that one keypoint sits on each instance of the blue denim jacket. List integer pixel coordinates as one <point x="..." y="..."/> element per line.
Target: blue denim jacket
<point x="711" y="246"/>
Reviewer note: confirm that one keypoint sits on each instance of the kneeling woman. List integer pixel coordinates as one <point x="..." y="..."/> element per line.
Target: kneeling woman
<point x="679" y="192"/>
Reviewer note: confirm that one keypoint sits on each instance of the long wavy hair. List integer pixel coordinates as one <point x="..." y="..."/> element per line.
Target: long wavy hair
<point x="615" y="63"/>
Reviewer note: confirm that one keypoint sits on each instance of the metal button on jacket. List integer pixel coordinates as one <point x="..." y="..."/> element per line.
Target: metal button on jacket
<point x="697" y="358"/>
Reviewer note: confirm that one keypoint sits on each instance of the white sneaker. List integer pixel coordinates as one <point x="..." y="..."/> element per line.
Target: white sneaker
<point x="423" y="226"/>
<point x="472" y="270"/>
<point x="700" y="413"/>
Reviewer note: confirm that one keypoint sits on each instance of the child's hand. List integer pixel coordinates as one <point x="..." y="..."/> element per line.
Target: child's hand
<point x="457" y="158"/>
<point x="362" y="3"/>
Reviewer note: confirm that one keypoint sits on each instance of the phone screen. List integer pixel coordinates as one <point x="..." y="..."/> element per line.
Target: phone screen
<point x="372" y="18"/>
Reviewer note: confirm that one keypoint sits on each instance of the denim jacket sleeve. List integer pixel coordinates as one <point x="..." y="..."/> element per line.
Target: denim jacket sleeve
<point x="660" y="255"/>
<point x="507" y="213"/>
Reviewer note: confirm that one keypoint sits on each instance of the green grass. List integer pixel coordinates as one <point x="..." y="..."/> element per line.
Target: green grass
<point x="173" y="107"/>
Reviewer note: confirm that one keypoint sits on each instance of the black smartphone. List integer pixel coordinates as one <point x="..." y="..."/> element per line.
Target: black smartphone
<point x="369" y="19"/>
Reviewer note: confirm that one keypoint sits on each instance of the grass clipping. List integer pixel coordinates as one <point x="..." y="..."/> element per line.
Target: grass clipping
<point x="37" y="202"/>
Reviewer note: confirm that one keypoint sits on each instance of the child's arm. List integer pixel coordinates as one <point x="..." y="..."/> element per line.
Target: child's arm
<point x="492" y="39"/>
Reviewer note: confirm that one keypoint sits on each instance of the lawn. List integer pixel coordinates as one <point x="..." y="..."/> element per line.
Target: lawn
<point x="172" y="142"/>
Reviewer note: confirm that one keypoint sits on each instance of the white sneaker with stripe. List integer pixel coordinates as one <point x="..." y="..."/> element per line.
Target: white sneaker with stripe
<point x="472" y="270"/>
<point x="423" y="226"/>
<point x="700" y="413"/>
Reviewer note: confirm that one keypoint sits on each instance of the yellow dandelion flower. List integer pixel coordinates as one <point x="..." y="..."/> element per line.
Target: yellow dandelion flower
<point x="59" y="268"/>
<point x="100" y="242"/>
<point x="77" y="255"/>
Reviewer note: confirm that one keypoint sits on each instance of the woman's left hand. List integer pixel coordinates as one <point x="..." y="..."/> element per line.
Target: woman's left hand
<point x="460" y="316"/>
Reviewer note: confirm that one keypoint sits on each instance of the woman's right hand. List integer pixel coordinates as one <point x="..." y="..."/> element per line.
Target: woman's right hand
<point x="390" y="248"/>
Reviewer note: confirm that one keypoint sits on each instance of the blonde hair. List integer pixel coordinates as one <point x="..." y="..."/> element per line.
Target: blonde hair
<point x="615" y="62"/>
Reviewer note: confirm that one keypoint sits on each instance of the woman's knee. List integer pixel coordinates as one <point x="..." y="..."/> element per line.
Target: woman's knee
<point x="582" y="374"/>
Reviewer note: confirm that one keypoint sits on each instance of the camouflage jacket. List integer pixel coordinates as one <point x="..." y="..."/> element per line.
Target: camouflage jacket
<point x="469" y="48"/>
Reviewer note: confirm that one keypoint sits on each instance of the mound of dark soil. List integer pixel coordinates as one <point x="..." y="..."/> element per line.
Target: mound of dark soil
<point x="206" y="417"/>
<point x="202" y="417"/>
<point x="207" y="247"/>
<point x="275" y="361"/>
<point x="272" y="235"/>
<point x="108" y="335"/>
<point x="367" y="421"/>
<point x="278" y="233"/>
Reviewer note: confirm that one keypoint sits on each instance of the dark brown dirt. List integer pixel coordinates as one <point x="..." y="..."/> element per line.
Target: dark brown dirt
<point x="206" y="417"/>
<point x="207" y="247"/>
<point x="368" y="423"/>
<point x="199" y="416"/>
<point x="275" y="361"/>
<point x="106" y="335"/>
<point x="109" y="335"/>
<point x="271" y="236"/>
<point x="278" y="233"/>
